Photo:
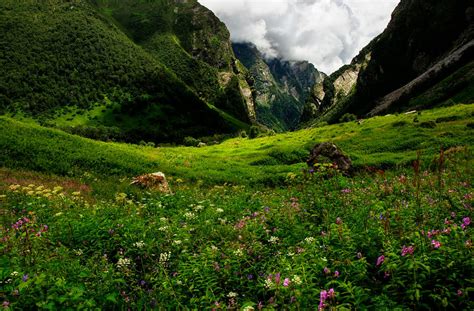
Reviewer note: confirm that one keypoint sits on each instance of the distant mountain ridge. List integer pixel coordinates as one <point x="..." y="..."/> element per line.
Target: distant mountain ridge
<point x="422" y="59"/>
<point x="280" y="87"/>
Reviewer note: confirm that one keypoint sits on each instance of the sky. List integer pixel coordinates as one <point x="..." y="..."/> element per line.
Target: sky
<point x="328" y="33"/>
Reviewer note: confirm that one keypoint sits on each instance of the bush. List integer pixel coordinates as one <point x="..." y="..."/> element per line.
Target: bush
<point x="348" y="117"/>
<point x="191" y="141"/>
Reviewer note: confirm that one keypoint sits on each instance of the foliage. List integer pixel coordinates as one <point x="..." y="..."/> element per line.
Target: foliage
<point x="398" y="239"/>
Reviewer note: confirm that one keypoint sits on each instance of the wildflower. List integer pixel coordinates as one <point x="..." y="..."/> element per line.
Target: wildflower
<point x="163" y="219"/>
<point x="268" y="283"/>
<point x="277" y="278"/>
<point x="177" y="242"/>
<point x="25" y="278"/>
<point x="336" y="274"/>
<point x="14" y="273"/>
<point x="5" y="304"/>
<point x="219" y="210"/>
<point x="326" y="270"/>
<point x="346" y="191"/>
<point x="359" y="255"/>
<point x="260" y="305"/>
<point x="407" y="250"/>
<point x="78" y="252"/>
<point x="164" y="228"/>
<point x="189" y="215"/>
<point x="296" y="279"/>
<point x="459" y="292"/>
<point x="76" y="193"/>
<point x="273" y="239"/>
<point x="139" y="245"/>
<point x="436" y="244"/>
<point x="338" y="220"/>
<point x="238" y="252"/>
<point x="331" y="293"/>
<point x="468" y="243"/>
<point x="250" y="276"/>
<point x="286" y="282"/>
<point x="380" y="260"/>
<point x="466" y="221"/>
<point x="232" y="295"/>
<point x="123" y="262"/>
<point x="309" y="240"/>
<point x="165" y="256"/>
<point x="248" y="308"/>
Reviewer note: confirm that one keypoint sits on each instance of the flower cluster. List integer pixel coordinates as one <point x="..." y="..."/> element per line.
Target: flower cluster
<point x="324" y="296"/>
<point x="407" y="250"/>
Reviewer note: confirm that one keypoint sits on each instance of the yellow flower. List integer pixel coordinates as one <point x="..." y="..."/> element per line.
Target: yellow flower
<point x="40" y="188"/>
<point x="76" y="193"/>
<point x="30" y="192"/>
<point x="31" y="186"/>
<point x="58" y="188"/>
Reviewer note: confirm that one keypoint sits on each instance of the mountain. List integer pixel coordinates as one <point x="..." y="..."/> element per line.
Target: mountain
<point x="155" y="70"/>
<point x="280" y="87"/>
<point x="422" y="59"/>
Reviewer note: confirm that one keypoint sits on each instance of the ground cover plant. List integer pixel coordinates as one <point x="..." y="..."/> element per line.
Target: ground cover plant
<point x="395" y="235"/>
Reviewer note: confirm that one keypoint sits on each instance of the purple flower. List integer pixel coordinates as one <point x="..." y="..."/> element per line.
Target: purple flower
<point x="436" y="244"/>
<point x="5" y="304"/>
<point x="25" y="277"/>
<point x="331" y="293"/>
<point x="336" y="274"/>
<point x="142" y="283"/>
<point x="466" y="221"/>
<point x="380" y="260"/>
<point x="250" y="276"/>
<point x="286" y="282"/>
<point x="326" y="270"/>
<point x="407" y="250"/>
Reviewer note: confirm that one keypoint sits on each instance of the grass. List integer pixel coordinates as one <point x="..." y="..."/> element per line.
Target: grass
<point x="74" y="234"/>
<point x="383" y="142"/>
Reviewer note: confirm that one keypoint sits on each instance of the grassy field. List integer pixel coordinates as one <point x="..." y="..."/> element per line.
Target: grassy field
<point x="246" y="228"/>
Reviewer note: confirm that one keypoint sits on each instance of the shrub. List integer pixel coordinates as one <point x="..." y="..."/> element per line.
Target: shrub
<point x="348" y="117"/>
<point x="190" y="141"/>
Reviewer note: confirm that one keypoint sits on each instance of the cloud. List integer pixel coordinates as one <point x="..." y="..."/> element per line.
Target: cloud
<point x="328" y="33"/>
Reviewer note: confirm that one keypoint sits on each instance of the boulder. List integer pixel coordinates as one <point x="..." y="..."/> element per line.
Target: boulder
<point x="155" y="181"/>
<point x="333" y="154"/>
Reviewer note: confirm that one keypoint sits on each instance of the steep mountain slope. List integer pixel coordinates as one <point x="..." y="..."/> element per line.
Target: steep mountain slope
<point x="66" y="62"/>
<point x="423" y="58"/>
<point x="281" y="87"/>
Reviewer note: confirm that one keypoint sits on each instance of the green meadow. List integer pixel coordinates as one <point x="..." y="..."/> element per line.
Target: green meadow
<point x="248" y="226"/>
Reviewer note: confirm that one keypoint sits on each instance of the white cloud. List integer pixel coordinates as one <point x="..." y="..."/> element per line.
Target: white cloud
<point x="328" y="33"/>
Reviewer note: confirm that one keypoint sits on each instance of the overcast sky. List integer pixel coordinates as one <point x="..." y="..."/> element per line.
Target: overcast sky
<point x="328" y="33"/>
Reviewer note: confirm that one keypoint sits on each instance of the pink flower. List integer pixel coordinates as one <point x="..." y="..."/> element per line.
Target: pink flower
<point x="466" y="221"/>
<point x="326" y="270"/>
<point x="338" y="220"/>
<point x="407" y="250"/>
<point x="380" y="260"/>
<point x="277" y="278"/>
<point x="286" y="282"/>
<point x="336" y="274"/>
<point x="436" y="244"/>
<point x="331" y="293"/>
<point x="459" y="292"/>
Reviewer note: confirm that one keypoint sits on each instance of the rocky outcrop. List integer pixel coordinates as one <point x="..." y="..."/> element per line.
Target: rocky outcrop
<point x="422" y="53"/>
<point x="329" y="152"/>
<point x="155" y="181"/>
<point x="280" y="88"/>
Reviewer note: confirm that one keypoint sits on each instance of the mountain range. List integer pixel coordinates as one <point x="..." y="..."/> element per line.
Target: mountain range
<point x="162" y="70"/>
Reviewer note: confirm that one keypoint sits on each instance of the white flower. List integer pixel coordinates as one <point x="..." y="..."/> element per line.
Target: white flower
<point x="198" y="208"/>
<point x="78" y="252"/>
<point x="268" y="283"/>
<point x="139" y="244"/>
<point x="248" y="308"/>
<point x="214" y="248"/>
<point x="296" y="280"/>
<point x="177" y="242"/>
<point x="163" y="219"/>
<point x="14" y="273"/>
<point x="164" y="257"/>
<point x="219" y="210"/>
<point x="189" y="215"/>
<point x="238" y="252"/>
<point x="123" y="262"/>
<point x="273" y="239"/>
<point x="222" y="220"/>
<point x="232" y="295"/>
<point x="291" y="254"/>
<point x="309" y="240"/>
<point x="164" y="228"/>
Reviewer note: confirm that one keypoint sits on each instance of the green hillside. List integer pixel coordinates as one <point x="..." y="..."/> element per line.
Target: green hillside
<point x="384" y="142"/>
<point x="67" y="63"/>
<point x="247" y="226"/>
